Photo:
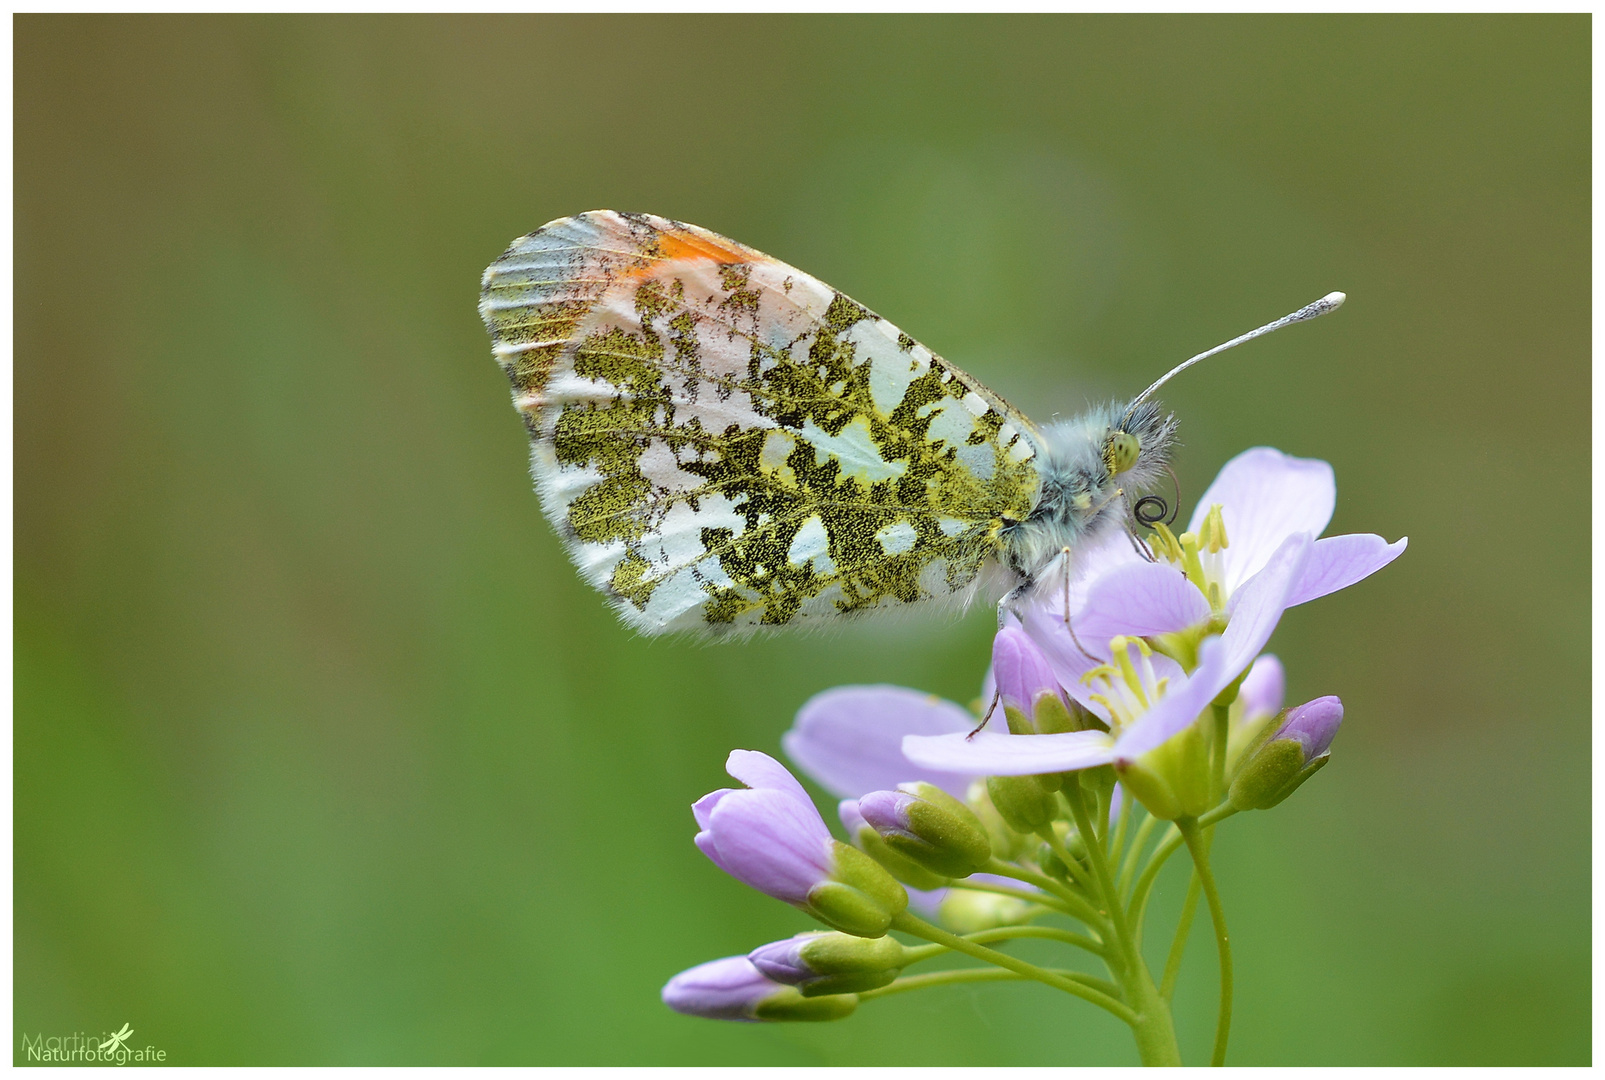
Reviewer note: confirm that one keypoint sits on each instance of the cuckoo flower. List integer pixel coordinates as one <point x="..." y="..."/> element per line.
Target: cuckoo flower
<point x="1145" y="699"/>
<point x="1259" y="500"/>
<point x="770" y="836"/>
<point x="850" y="740"/>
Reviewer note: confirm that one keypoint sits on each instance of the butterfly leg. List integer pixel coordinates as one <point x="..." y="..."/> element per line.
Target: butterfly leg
<point x="1065" y="555"/>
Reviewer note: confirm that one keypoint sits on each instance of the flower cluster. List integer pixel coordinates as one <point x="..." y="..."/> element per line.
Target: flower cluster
<point x="1125" y="714"/>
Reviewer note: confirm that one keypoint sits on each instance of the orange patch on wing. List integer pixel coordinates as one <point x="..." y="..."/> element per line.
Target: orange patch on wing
<point x="675" y="245"/>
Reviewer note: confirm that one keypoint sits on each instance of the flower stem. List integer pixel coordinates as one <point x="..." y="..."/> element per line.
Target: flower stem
<point x="1151" y="1024"/>
<point x="1119" y="840"/>
<point x="1140" y="841"/>
<point x="1071" y="903"/>
<point x="968" y="975"/>
<point x="911" y="924"/>
<point x="1076" y="870"/>
<point x="1199" y="850"/>
<point x="1007" y="933"/>
<point x="1223" y="727"/>
<point x="1178" y="945"/>
<point x="1156" y="861"/>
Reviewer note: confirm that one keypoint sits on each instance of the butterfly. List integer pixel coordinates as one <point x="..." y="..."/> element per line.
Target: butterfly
<point x="725" y="443"/>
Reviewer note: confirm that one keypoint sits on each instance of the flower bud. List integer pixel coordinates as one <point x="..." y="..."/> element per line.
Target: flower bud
<point x="930" y="827"/>
<point x="1027" y="689"/>
<point x="1006" y="843"/>
<point x="770" y="836"/>
<point x="1022" y="801"/>
<point x="860" y="897"/>
<point x="1172" y="780"/>
<point x="863" y="834"/>
<point x="965" y="911"/>
<point x="828" y="963"/>
<point x="734" y="989"/>
<point x="1295" y="752"/>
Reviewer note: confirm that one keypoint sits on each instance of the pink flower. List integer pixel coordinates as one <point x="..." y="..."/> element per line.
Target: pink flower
<point x="1265" y="498"/>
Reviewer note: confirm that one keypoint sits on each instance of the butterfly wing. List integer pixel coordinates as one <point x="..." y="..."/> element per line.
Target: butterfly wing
<point x="724" y="442"/>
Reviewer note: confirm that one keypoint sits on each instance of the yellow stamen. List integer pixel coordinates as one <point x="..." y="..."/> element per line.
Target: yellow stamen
<point x="1129" y="671"/>
<point x="1102" y="671"/>
<point x="1212" y="534"/>
<point x="1190" y="564"/>
<point x="1164" y="543"/>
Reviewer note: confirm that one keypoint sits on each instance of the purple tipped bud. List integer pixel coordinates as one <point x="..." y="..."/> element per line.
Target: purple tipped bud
<point x="733" y="989"/>
<point x="1294" y="753"/>
<point x="1022" y="676"/>
<point x="1313" y="724"/>
<point x="820" y="963"/>
<point x="869" y="841"/>
<point x="927" y="825"/>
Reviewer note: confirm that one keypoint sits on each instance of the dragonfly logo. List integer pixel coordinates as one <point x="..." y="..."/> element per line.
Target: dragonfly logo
<point x="82" y="1048"/>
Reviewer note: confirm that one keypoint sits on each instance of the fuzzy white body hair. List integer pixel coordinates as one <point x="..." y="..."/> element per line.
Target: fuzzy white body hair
<point x="1081" y="499"/>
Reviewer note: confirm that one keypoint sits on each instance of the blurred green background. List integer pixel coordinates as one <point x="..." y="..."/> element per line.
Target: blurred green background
<point x="323" y="753"/>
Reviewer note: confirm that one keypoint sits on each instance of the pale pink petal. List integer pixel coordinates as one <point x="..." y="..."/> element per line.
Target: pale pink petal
<point x="1258" y="607"/>
<point x="702" y="809"/>
<point x="1138" y="600"/>
<point x="1266" y="496"/>
<point x="850" y="738"/>
<point x="758" y="770"/>
<point x="770" y="841"/>
<point x="995" y="754"/>
<point x="1339" y="561"/>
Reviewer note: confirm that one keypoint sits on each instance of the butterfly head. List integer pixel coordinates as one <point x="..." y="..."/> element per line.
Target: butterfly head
<point x="1095" y="471"/>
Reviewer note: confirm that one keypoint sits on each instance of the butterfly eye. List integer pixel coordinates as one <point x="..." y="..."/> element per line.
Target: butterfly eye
<point x="1121" y="451"/>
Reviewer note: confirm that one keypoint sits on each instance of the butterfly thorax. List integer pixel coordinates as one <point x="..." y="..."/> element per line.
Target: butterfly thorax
<point x="1093" y="469"/>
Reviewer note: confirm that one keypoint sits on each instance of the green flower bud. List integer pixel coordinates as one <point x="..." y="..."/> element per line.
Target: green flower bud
<point x="790" y="1004"/>
<point x="965" y="911"/>
<point x="1006" y="843"/>
<point x="1024" y="803"/>
<point x="820" y="964"/>
<point x="869" y="841"/>
<point x="930" y="827"/>
<point x="860" y="897"/>
<point x="1294" y="753"/>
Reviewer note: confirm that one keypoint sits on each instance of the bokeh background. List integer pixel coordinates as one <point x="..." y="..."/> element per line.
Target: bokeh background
<point x="323" y="754"/>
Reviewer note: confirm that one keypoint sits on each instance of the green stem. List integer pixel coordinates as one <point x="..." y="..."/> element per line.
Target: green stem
<point x="969" y="975"/>
<point x="1151" y="1024"/>
<point x="1167" y="847"/>
<point x="1070" y="903"/>
<point x="1077" y="871"/>
<point x="1140" y="841"/>
<point x="1223" y="725"/>
<point x="1008" y="933"/>
<point x="1076" y="796"/>
<point x="911" y="924"/>
<point x="1178" y="945"/>
<point x="1119" y="840"/>
<point x="1200" y="853"/>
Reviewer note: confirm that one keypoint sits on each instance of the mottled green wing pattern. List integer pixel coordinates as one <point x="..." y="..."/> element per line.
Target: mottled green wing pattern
<point x="725" y="443"/>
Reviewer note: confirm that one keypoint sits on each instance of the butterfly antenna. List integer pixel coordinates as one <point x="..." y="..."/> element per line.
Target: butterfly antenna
<point x="1326" y="304"/>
